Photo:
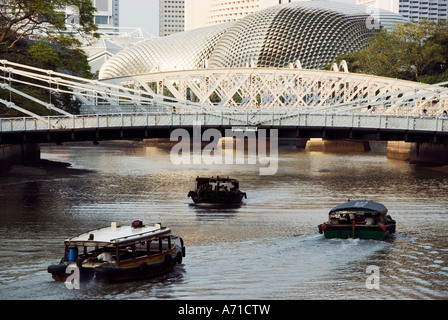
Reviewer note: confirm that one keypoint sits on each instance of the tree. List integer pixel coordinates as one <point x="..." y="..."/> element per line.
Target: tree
<point x="416" y="47"/>
<point x="437" y="69"/>
<point x="20" y="19"/>
<point x="412" y="51"/>
<point x="34" y="32"/>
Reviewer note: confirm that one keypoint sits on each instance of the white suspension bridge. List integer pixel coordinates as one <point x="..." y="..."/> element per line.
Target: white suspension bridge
<point x="308" y="103"/>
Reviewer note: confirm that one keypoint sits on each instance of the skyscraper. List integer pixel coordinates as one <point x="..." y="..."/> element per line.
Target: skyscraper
<point x="413" y="9"/>
<point x="106" y="16"/>
<point x="107" y="13"/>
<point x="424" y="9"/>
<point x="171" y="17"/>
<point x="391" y="5"/>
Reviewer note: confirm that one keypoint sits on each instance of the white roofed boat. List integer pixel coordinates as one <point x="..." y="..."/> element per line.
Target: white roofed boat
<point x="119" y="253"/>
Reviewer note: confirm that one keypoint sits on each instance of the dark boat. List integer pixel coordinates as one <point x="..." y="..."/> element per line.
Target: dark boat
<point x="119" y="253"/>
<point x="358" y="219"/>
<point x="217" y="191"/>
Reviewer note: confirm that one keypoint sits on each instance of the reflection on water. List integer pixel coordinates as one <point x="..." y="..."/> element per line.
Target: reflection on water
<point x="268" y="248"/>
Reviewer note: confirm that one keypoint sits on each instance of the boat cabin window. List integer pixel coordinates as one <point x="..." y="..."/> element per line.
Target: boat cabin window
<point x="116" y="254"/>
<point x="360" y="217"/>
<point x="90" y="254"/>
<point x="144" y="248"/>
<point x="217" y="185"/>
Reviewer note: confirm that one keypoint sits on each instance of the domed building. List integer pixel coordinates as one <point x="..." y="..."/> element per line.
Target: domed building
<point x="309" y="33"/>
<point x="179" y="51"/>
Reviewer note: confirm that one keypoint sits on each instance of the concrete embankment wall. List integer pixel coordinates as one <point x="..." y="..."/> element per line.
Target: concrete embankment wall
<point x="421" y="152"/>
<point x="424" y="153"/>
<point x="18" y="154"/>
<point x="342" y="146"/>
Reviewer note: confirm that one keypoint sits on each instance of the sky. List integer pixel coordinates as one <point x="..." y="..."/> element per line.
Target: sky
<point x="145" y="14"/>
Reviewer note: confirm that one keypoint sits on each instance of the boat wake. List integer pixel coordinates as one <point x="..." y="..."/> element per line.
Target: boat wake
<point x="247" y="268"/>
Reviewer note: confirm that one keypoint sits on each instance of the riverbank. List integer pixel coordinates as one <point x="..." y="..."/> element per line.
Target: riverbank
<point x="41" y="169"/>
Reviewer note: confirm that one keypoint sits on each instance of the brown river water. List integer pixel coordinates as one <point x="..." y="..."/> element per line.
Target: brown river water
<point x="269" y="248"/>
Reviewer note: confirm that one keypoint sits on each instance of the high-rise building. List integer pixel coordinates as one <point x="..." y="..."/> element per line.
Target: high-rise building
<point x="424" y="9"/>
<point x="413" y="9"/>
<point x="106" y="15"/>
<point x="391" y="5"/>
<point x="171" y="17"/>
<point x="201" y="13"/>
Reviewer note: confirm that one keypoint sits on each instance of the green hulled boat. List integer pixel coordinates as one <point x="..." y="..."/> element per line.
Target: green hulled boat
<point x="358" y="219"/>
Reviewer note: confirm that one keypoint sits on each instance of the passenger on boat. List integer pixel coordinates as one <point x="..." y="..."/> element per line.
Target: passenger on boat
<point x="105" y="256"/>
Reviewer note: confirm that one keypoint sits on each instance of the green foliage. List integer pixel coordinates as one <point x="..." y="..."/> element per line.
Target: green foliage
<point x="50" y="47"/>
<point x="435" y="78"/>
<point x="43" y="55"/>
<point x="412" y="51"/>
<point x="20" y="19"/>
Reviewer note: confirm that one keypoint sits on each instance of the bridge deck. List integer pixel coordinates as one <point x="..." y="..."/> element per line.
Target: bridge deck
<point x="292" y="124"/>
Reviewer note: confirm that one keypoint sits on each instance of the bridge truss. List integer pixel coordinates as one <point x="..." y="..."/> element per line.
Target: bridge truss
<point x="292" y="90"/>
<point x="281" y="93"/>
<point x="88" y="92"/>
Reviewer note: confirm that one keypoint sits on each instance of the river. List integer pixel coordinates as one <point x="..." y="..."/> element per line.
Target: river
<point x="269" y="248"/>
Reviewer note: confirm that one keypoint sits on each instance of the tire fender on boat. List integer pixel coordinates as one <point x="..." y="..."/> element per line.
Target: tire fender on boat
<point x="182" y="246"/>
<point x="179" y="257"/>
<point x="56" y="268"/>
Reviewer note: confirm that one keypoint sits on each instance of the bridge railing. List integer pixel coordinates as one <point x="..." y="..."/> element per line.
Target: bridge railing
<point x="301" y="119"/>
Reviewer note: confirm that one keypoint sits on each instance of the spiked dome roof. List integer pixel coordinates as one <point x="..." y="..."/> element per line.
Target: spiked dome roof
<point x="312" y="32"/>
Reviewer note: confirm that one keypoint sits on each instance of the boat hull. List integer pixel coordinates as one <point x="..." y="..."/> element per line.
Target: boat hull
<point x="109" y="273"/>
<point x="141" y="271"/>
<point x="222" y="198"/>
<point x="357" y="232"/>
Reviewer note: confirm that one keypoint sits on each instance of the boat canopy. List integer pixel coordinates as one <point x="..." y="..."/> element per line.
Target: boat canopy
<point x="205" y="181"/>
<point x="217" y="179"/>
<point x="116" y="235"/>
<point x="360" y="205"/>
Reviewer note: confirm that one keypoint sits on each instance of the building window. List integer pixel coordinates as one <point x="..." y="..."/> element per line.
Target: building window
<point x="101" y="20"/>
<point x="102" y="5"/>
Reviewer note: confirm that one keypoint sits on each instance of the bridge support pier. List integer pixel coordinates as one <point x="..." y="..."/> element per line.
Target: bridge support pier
<point x="424" y="153"/>
<point x="399" y="150"/>
<point x="18" y="154"/>
<point x="301" y="143"/>
<point x="322" y="145"/>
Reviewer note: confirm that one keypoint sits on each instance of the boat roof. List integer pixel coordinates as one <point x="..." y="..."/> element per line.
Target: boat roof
<point x="360" y="205"/>
<point x="211" y="179"/>
<point x="117" y="234"/>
